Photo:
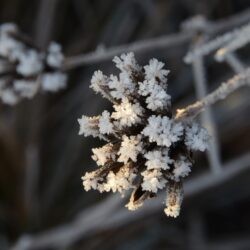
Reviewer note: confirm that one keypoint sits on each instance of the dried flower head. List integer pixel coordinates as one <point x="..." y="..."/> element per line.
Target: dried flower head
<point x="147" y="149"/>
<point x="25" y="69"/>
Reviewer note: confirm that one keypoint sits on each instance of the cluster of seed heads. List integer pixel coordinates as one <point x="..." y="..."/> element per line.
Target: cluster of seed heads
<point x="25" y="69"/>
<point x="146" y="149"/>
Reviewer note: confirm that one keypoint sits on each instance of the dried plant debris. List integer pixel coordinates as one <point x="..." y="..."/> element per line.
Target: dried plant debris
<point x="25" y="69"/>
<point x="147" y="150"/>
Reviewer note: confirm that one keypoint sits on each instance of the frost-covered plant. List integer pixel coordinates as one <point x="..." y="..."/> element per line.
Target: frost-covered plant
<point x="25" y="69"/>
<point x="147" y="150"/>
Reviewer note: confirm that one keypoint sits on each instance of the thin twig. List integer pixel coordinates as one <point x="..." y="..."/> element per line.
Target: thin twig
<point x="234" y="62"/>
<point x="140" y="46"/>
<point x="207" y="118"/>
<point x="220" y="93"/>
<point x="153" y="43"/>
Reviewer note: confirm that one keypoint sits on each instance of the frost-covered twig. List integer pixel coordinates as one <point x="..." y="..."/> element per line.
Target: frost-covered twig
<point x="140" y="46"/>
<point x="238" y="41"/>
<point x="171" y="40"/>
<point x="220" y="93"/>
<point x="24" y="69"/>
<point x="234" y="62"/>
<point x="219" y="42"/>
<point x="207" y="119"/>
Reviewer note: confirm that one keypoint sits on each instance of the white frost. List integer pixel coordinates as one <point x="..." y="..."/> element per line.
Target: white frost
<point x="127" y="113"/>
<point x="182" y="168"/>
<point x="104" y="154"/>
<point x="9" y="97"/>
<point x="26" y="88"/>
<point x="89" y="126"/>
<point x="126" y="63"/>
<point x="196" y="137"/>
<point x="158" y="159"/>
<point x="105" y="124"/>
<point x="55" y="56"/>
<point x="174" y="200"/>
<point x="154" y="71"/>
<point x="30" y="63"/>
<point x="121" y="181"/>
<point x="90" y="181"/>
<point x="53" y="82"/>
<point x="162" y="130"/>
<point x="153" y="180"/>
<point x="157" y="98"/>
<point x="130" y="148"/>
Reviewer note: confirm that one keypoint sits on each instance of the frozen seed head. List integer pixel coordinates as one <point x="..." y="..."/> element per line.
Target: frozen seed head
<point x="89" y="126"/>
<point x="146" y="149"/>
<point x="130" y="148"/>
<point x="104" y="154"/>
<point x="153" y="180"/>
<point x="156" y="96"/>
<point x="30" y="63"/>
<point x="26" y="88"/>
<point x="127" y="113"/>
<point x="182" y="168"/>
<point x="53" y="82"/>
<point x="154" y="71"/>
<point x="127" y="63"/>
<point x="55" y="56"/>
<point x="105" y="124"/>
<point x="163" y="130"/>
<point x="25" y="69"/>
<point x="196" y="137"/>
<point x="174" y="199"/>
<point x="158" y="159"/>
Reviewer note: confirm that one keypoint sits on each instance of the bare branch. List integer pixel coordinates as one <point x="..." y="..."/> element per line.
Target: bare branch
<point x="155" y="43"/>
<point x="207" y="118"/>
<point x="234" y="62"/>
<point x="140" y="46"/>
<point x="220" y="93"/>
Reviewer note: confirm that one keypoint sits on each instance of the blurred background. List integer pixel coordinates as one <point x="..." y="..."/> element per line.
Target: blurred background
<point x="42" y="158"/>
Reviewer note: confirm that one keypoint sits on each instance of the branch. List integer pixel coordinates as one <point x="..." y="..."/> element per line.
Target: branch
<point x="140" y="46"/>
<point x="207" y="119"/>
<point x="220" y="93"/>
<point x="166" y="41"/>
<point x="234" y="62"/>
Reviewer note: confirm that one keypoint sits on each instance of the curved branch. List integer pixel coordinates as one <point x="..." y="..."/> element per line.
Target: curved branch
<point x="220" y="93"/>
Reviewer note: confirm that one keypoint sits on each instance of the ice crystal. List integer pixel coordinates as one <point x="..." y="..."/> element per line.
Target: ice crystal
<point x="162" y="130"/>
<point x="127" y="113"/>
<point x="154" y="71"/>
<point x="182" y="168"/>
<point x="53" y="82"/>
<point x="103" y="155"/>
<point x="25" y="69"/>
<point x="196" y="137"/>
<point x="130" y="148"/>
<point x="158" y="159"/>
<point x="89" y="126"/>
<point x="153" y="180"/>
<point x="147" y="150"/>
<point x="30" y="63"/>
<point x="105" y="124"/>
<point x="157" y="98"/>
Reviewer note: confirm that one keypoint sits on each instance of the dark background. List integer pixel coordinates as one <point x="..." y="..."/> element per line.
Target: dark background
<point x="42" y="158"/>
